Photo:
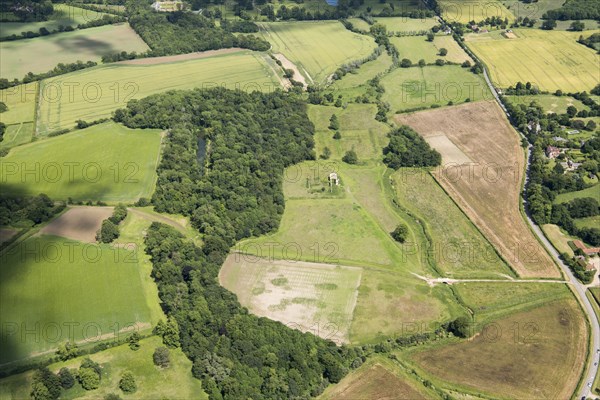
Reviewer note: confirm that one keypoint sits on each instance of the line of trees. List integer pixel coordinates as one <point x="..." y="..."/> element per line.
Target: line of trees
<point x="109" y="231"/>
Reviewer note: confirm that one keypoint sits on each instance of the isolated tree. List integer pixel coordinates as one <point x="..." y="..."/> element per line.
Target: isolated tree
<point x="460" y="327"/>
<point x="3" y="107"/>
<point x="571" y="111"/>
<point x="338" y="102"/>
<point x="46" y="385"/>
<point x="440" y="62"/>
<point x="350" y="157"/>
<point x="406" y="63"/>
<point x="326" y="153"/>
<point x="430" y="37"/>
<point x="108" y="232"/>
<point x="134" y="341"/>
<point x="66" y="378"/>
<point x="161" y="357"/>
<point x="88" y="378"/>
<point x="337" y="135"/>
<point x="590" y="126"/>
<point x="443" y="52"/>
<point x="127" y="383"/>
<point x="549" y="24"/>
<point x="334" y="124"/>
<point x="67" y="350"/>
<point x="400" y="233"/>
<point x="577" y="26"/>
<point x="422" y="63"/>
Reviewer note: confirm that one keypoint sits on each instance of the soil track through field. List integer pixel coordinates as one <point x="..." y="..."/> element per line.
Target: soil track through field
<point x="78" y="223"/>
<point x="181" y="57"/>
<point x="287" y="64"/>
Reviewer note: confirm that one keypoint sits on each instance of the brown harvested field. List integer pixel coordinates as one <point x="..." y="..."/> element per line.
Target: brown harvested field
<point x="488" y="187"/>
<point x="78" y="223"/>
<point x="181" y="57"/>
<point x="535" y="354"/>
<point x="373" y="382"/>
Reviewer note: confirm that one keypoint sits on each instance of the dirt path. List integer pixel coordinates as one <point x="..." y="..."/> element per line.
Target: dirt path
<point x="287" y="64"/>
<point x="450" y="281"/>
<point x="181" y="57"/>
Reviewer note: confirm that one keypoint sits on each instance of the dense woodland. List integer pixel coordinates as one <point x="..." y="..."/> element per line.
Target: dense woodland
<point x="575" y="9"/>
<point x="408" y="149"/>
<point x="182" y="32"/>
<point x="252" y="138"/>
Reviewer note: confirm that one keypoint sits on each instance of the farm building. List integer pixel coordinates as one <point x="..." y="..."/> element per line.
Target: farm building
<point x="552" y="152"/>
<point x="588" y="251"/>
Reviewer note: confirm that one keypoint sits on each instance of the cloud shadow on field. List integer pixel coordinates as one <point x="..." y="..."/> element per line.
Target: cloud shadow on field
<point x="83" y="43"/>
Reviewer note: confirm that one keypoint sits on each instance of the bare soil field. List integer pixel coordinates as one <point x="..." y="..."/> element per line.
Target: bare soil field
<point x="488" y="188"/>
<point x="78" y="223"/>
<point x="373" y="382"/>
<point x="535" y="354"/>
<point x="311" y="297"/>
<point x="181" y="57"/>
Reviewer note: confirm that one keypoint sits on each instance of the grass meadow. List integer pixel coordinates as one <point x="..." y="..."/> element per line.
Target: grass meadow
<point x="559" y="238"/>
<point x="409" y="88"/>
<point x="110" y="87"/>
<point x="64" y="14"/>
<point x="416" y="48"/>
<point x="317" y="48"/>
<point x="358" y="127"/>
<point x="174" y="382"/>
<point x="550" y="60"/>
<point x="537" y="353"/>
<point x="459" y="249"/>
<point x="403" y="24"/>
<point x="49" y="283"/>
<point x="105" y="162"/>
<point x="549" y="102"/>
<point x="43" y="53"/>
<point x="592" y="191"/>
<point x="465" y="11"/>
<point x="20" y="116"/>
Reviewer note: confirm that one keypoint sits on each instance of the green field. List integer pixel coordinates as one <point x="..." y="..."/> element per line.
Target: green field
<point x="104" y="162"/>
<point x="19" y="118"/>
<point x="550" y="60"/>
<point x="412" y="47"/>
<point x="537" y="353"/>
<point x="374" y="7"/>
<point x="48" y="283"/>
<point x="592" y="191"/>
<point x="549" y="103"/>
<point x="358" y="127"/>
<point x="175" y="382"/>
<point x="559" y="239"/>
<point x="408" y="88"/>
<point x="317" y="48"/>
<point x="111" y="86"/>
<point x="469" y="10"/>
<point x="63" y="15"/>
<point x="533" y="10"/>
<point x="490" y="301"/>
<point x="459" y="249"/>
<point x="43" y="54"/>
<point x="402" y="24"/>
<point x="590" y="222"/>
<point x="360" y="23"/>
